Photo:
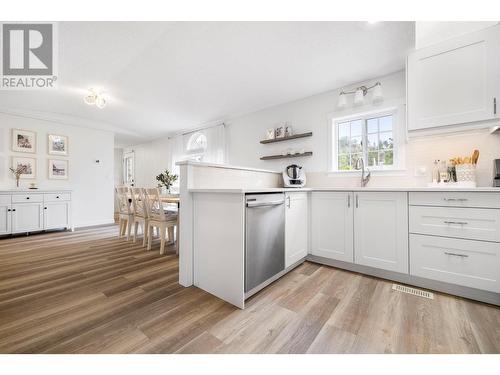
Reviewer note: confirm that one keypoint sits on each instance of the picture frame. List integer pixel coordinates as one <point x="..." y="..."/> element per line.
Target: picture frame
<point x="29" y="163"/>
<point x="57" y="144"/>
<point x="23" y="141"/>
<point x="58" y="169"/>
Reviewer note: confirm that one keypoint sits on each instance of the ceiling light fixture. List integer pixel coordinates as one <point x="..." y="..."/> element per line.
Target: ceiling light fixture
<point x="360" y="93"/>
<point x="96" y="98"/>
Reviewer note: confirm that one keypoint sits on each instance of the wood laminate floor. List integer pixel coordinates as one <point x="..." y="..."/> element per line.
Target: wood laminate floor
<point x="90" y="292"/>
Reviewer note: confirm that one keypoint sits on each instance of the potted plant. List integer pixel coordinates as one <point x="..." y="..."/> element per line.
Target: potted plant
<point x="166" y="180"/>
<point x="21" y="169"/>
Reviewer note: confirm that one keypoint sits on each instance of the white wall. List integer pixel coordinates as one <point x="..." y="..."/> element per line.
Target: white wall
<point x="92" y="184"/>
<point x="315" y="113"/>
<point x="151" y="159"/>
<point x="428" y="33"/>
<point x="310" y="114"/>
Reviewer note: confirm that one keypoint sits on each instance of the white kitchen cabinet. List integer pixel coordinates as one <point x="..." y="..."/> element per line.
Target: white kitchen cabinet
<point x="56" y="215"/>
<point x="332" y="225"/>
<point x="296" y="227"/>
<point x="454" y="82"/>
<point x="27" y="217"/>
<point x="5" y="212"/>
<point x="381" y="230"/>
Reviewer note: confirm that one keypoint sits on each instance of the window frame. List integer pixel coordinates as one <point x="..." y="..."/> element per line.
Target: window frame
<point x="364" y="116"/>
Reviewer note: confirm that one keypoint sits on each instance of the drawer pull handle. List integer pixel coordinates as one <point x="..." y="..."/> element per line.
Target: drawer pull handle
<point x="456" y="222"/>
<point x="27" y="197"/>
<point x="455" y="199"/>
<point x="57" y="197"/>
<point x="456" y="255"/>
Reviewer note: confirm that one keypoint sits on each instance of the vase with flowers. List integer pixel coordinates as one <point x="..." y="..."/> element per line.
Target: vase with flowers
<point x="166" y="179"/>
<point x="20" y="170"/>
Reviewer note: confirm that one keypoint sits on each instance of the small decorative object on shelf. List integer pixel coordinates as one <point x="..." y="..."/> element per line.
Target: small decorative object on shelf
<point x="270" y="134"/>
<point x="166" y="180"/>
<point x="294" y="136"/>
<point x="280" y="131"/>
<point x="21" y="169"/>
<point x="288" y="130"/>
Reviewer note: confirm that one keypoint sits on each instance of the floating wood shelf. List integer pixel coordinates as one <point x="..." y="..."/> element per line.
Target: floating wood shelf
<point x="272" y="157"/>
<point x="295" y="136"/>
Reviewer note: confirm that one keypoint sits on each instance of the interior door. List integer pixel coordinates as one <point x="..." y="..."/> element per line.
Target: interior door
<point x="129" y="168"/>
<point x="332" y="225"/>
<point x="381" y="230"/>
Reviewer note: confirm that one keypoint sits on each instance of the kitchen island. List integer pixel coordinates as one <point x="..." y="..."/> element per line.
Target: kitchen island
<point x="445" y="239"/>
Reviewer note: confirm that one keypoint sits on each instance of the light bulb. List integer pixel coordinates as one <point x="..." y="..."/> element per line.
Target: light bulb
<point x="359" y="96"/>
<point x="377" y="92"/>
<point x="90" y="99"/>
<point x="100" y="102"/>
<point x="342" y="100"/>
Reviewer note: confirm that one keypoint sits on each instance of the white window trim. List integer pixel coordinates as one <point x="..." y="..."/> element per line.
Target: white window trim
<point x="398" y="136"/>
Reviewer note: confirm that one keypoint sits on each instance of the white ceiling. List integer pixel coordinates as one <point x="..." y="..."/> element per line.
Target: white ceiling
<point x="162" y="78"/>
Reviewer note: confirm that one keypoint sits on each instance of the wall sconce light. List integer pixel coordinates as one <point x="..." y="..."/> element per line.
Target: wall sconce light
<point x="360" y="93"/>
<point x="95" y="98"/>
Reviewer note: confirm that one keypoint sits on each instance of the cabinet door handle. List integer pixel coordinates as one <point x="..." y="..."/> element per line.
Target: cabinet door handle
<point x="45" y="208"/>
<point x="27" y="197"/>
<point x="456" y="255"/>
<point x="494" y="106"/>
<point x="14" y="209"/>
<point x="289" y="203"/>
<point x="57" y="197"/>
<point x="349" y="201"/>
<point x="455" y="199"/>
<point x="357" y="201"/>
<point x="8" y="210"/>
<point x="456" y="222"/>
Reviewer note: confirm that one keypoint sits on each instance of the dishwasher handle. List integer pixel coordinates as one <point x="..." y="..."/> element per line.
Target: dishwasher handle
<point x="263" y="204"/>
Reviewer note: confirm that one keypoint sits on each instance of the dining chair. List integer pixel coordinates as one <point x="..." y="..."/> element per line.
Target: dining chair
<point x="125" y="213"/>
<point x="159" y="218"/>
<point x="141" y="217"/>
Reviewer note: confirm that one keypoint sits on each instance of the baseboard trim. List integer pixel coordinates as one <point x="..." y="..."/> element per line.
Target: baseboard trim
<point x="105" y="224"/>
<point x="439" y="286"/>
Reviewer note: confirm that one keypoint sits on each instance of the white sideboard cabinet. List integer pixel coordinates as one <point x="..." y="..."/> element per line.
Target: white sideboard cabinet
<point x="34" y="211"/>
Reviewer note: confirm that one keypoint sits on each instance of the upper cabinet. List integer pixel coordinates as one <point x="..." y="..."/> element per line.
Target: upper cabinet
<point x="454" y="82"/>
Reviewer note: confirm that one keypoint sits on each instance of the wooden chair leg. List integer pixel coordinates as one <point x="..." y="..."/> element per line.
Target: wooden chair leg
<point x="150" y="237"/>
<point x="171" y="237"/>
<point x="145" y="234"/>
<point x="162" y="239"/>
<point x="136" y="228"/>
<point x="129" y="229"/>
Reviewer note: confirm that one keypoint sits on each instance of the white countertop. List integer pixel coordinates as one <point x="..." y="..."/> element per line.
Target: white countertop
<point x="414" y="189"/>
<point x="32" y="191"/>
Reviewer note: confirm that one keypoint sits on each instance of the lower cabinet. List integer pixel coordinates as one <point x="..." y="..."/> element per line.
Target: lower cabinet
<point x="5" y="212"/>
<point x="27" y="217"/>
<point x="296" y="227"/>
<point x="32" y="212"/>
<point x="381" y="230"/>
<point x="332" y="225"/>
<point x="56" y="215"/>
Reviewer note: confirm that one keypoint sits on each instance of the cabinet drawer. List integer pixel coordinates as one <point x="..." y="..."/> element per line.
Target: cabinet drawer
<point x="468" y="223"/>
<point x="469" y="263"/>
<point x="57" y="197"/>
<point x="21" y="198"/>
<point x="455" y="199"/>
<point x="5" y="199"/>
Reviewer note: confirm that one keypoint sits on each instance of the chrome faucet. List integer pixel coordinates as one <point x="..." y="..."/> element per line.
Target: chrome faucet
<point x="360" y="164"/>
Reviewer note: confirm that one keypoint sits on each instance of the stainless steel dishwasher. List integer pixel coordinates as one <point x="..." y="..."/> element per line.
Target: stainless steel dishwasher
<point x="264" y="240"/>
